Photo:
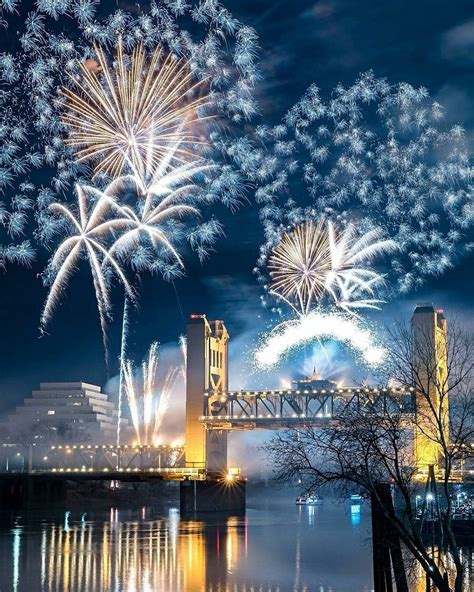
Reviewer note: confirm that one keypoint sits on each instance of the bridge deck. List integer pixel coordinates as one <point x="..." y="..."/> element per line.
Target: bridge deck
<point x="277" y="408"/>
<point x="131" y="475"/>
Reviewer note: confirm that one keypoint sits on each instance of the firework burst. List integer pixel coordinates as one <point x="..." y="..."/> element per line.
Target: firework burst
<point x="166" y="194"/>
<point x="318" y="325"/>
<point x="148" y="404"/>
<point x="300" y="264"/>
<point x="87" y="229"/>
<point x="316" y="261"/>
<point x="119" y="117"/>
<point x="377" y="149"/>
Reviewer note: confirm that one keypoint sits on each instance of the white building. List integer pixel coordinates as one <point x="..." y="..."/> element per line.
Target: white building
<point x="75" y="410"/>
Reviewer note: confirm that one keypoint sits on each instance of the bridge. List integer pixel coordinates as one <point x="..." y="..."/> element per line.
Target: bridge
<point x="282" y="408"/>
<point x="213" y="410"/>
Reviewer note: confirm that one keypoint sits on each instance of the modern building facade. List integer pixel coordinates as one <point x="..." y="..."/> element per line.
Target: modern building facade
<point x="73" y="411"/>
<point x="206" y="372"/>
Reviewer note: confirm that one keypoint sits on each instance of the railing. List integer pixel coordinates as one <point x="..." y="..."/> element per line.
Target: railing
<point x="89" y="457"/>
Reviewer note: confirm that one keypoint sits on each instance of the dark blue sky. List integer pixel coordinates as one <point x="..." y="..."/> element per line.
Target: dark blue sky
<point x="427" y="42"/>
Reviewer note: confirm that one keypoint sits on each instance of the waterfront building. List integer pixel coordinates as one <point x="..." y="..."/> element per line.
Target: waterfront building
<point x="315" y="381"/>
<point x="72" y="411"/>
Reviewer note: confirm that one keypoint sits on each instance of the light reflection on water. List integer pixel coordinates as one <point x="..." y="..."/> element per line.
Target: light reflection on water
<point x="355" y="514"/>
<point x="276" y="547"/>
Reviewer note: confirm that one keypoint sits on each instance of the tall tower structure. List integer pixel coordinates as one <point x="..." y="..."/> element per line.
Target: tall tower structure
<point x="206" y="372"/>
<point x="429" y="328"/>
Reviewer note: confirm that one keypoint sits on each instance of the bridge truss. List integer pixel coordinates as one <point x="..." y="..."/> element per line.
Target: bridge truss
<point x="106" y="456"/>
<point x="92" y="458"/>
<point x="279" y="408"/>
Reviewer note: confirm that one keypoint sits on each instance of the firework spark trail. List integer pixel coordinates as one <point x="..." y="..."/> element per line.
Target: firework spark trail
<point x="147" y="408"/>
<point x="123" y="357"/>
<point x="89" y="228"/>
<point x="183" y="346"/>
<point x="349" y="275"/>
<point x="132" y="396"/>
<point x="318" y="325"/>
<point x="167" y="193"/>
<point x="149" y="373"/>
<point x="163" y="403"/>
<point x="115" y="119"/>
<point x="315" y="261"/>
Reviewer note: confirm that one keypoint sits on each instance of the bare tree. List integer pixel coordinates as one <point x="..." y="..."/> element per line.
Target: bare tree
<point x="381" y="444"/>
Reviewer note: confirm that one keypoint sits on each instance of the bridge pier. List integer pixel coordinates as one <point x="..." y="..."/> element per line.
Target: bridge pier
<point x="206" y="371"/>
<point x="216" y="495"/>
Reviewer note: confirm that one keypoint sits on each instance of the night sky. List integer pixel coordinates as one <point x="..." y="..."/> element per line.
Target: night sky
<point x="427" y="42"/>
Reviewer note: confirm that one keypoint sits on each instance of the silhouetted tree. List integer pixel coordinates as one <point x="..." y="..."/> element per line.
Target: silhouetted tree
<point x="372" y="448"/>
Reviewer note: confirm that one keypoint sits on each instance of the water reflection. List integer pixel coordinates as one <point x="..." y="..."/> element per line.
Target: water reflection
<point x="355" y="514"/>
<point x="16" y="557"/>
<point x="445" y="560"/>
<point x="274" y="548"/>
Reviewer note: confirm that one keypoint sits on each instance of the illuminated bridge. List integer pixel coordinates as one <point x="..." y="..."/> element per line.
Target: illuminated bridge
<point x="279" y="408"/>
<point x="213" y="409"/>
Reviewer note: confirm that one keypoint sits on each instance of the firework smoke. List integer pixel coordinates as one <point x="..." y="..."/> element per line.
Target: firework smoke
<point x="148" y="403"/>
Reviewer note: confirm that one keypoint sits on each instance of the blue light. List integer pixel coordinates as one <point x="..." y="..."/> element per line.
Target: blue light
<point x="355" y="514"/>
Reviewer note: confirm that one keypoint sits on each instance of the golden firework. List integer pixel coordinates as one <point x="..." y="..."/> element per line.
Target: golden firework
<point x="124" y="116"/>
<point x="299" y="265"/>
<point x="314" y="261"/>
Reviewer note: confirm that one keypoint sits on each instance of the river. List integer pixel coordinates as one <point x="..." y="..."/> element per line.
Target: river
<point x="275" y="547"/>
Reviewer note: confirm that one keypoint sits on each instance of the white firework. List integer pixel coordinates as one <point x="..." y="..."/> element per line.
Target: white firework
<point x="166" y="192"/>
<point x="88" y="229"/>
<point x="317" y="261"/>
<point x="318" y="325"/>
<point x="148" y="403"/>
<point x="350" y="277"/>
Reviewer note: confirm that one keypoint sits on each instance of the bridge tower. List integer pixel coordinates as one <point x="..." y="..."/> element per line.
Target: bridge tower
<point x="429" y="328"/>
<point x="206" y="372"/>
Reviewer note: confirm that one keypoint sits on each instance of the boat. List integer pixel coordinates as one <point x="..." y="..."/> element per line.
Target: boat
<point x="308" y="500"/>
